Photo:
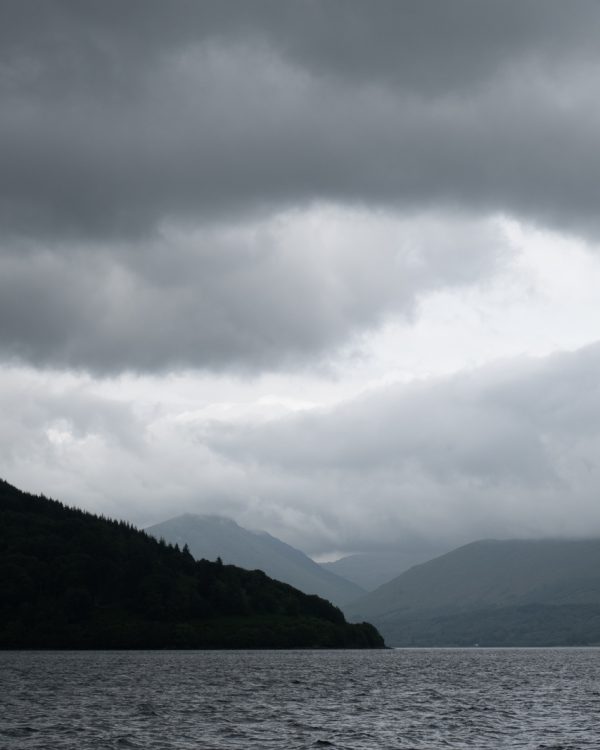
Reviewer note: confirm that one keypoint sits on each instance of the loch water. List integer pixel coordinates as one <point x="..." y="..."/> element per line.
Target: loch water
<point x="241" y="700"/>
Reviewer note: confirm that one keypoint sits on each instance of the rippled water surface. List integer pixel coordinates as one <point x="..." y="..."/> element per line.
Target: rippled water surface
<point x="479" y="698"/>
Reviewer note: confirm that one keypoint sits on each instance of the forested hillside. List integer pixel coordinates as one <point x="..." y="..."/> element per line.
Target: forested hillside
<point x="214" y="536"/>
<point x="69" y="579"/>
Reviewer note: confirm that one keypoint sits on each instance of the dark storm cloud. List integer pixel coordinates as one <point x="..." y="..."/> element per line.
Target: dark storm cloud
<point x="116" y="116"/>
<point x="117" y="120"/>
<point x="248" y="297"/>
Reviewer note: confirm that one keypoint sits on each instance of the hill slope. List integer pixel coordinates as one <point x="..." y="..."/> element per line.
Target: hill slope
<point x="370" y="570"/>
<point x="210" y="537"/>
<point x="69" y="579"/>
<point x="498" y="592"/>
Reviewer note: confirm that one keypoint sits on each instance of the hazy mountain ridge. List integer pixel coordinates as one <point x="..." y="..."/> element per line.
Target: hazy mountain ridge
<point x="506" y="590"/>
<point x="212" y="536"/>
<point x="372" y="569"/>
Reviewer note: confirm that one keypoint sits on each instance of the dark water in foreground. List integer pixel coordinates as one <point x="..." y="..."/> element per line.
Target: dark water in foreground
<point x="480" y="698"/>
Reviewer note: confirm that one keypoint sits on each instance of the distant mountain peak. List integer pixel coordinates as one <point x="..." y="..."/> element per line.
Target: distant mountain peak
<point x="214" y="520"/>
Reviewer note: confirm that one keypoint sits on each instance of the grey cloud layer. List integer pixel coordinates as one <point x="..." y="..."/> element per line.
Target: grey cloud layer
<point x="117" y="121"/>
<point x="507" y="450"/>
<point x="493" y="453"/>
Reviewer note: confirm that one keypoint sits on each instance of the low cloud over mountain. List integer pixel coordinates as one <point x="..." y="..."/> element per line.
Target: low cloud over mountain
<point x="330" y="269"/>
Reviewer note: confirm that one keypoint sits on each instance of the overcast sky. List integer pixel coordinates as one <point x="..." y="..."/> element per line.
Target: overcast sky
<point x="329" y="268"/>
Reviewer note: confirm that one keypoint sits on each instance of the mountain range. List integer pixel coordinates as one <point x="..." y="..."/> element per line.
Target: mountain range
<point x="69" y="579"/>
<point x="514" y="592"/>
<point x="210" y="537"/>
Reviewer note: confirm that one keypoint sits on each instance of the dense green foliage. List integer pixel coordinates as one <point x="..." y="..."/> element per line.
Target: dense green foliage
<point x="69" y="579"/>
